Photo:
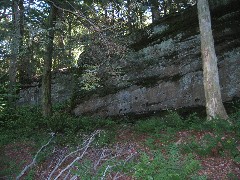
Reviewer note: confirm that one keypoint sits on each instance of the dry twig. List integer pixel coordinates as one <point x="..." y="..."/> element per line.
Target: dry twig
<point x="34" y="159"/>
<point x="85" y="147"/>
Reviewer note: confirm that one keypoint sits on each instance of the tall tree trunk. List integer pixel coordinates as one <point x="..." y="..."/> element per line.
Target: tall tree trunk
<point x="129" y="18"/>
<point x="46" y="81"/>
<point x="141" y="19"/>
<point x="113" y="15"/>
<point x="69" y="38"/>
<point x="15" y="54"/>
<point x="165" y="6"/>
<point x="177" y="2"/>
<point x="170" y="6"/>
<point x="155" y="10"/>
<point x="214" y="105"/>
<point x="24" y="64"/>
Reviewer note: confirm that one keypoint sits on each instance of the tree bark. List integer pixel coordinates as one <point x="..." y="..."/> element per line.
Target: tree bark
<point x="129" y="18"/>
<point x="164" y="7"/>
<point x="46" y="81"/>
<point x="155" y="10"/>
<point x="15" y="54"/>
<point x="69" y="38"/>
<point x="177" y="2"/>
<point x="214" y="105"/>
<point x="24" y="63"/>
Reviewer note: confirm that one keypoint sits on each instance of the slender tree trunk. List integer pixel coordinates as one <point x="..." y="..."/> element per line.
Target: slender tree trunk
<point x="113" y="15"/>
<point x="155" y="10"/>
<point x="29" y="54"/>
<point x="165" y="7"/>
<point x="70" y="39"/>
<point x="61" y="57"/>
<point x="214" y="105"/>
<point x="23" y="64"/>
<point x="177" y="2"/>
<point x="15" y="54"/>
<point x="171" y="8"/>
<point x="141" y="19"/>
<point x="129" y="18"/>
<point x="46" y="81"/>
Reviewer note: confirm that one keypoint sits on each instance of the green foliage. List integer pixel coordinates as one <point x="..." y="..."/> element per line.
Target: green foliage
<point x="218" y="125"/>
<point x="30" y="175"/>
<point x="166" y="166"/>
<point x="29" y="117"/>
<point x="150" y="142"/>
<point x="212" y="145"/>
<point x="23" y="122"/>
<point x="237" y="158"/>
<point x="193" y="121"/>
<point x="12" y="167"/>
<point x="84" y="169"/>
<point x="156" y="124"/>
<point x="5" y="111"/>
<point x="3" y="98"/>
<point x="105" y="138"/>
<point x="233" y="176"/>
<point x="151" y="125"/>
<point x="235" y="118"/>
<point x="203" y="147"/>
<point x="90" y="80"/>
<point x="27" y="121"/>
<point x="174" y="120"/>
<point x="158" y="163"/>
<point x="155" y="165"/>
<point x="63" y="123"/>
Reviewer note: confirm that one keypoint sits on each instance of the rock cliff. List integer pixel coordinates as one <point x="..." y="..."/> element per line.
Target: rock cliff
<point x="62" y="89"/>
<point x="165" y="71"/>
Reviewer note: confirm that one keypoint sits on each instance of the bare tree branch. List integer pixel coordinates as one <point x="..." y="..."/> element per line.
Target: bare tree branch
<point x="34" y="159"/>
<point x="104" y="174"/>
<point x="78" y="13"/>
<point x="85" y="147"/>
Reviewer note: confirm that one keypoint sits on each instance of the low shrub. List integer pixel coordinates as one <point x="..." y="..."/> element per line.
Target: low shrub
<point x="171" y="165"/>
<point x="155" y="124"/>
<point x="173" y="120"/>
<point x="151" y="125"/>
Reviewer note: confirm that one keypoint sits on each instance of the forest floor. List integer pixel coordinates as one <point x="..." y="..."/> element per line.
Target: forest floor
<point x="126" y="144"/>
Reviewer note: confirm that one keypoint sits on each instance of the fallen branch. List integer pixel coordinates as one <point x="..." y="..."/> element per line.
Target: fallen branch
<point x="34" y="159"/>
<point x="109" y="167"/>
<point x="102" y="156"/>
<point x="85" y="147"/>
<point x="104" y="174"/>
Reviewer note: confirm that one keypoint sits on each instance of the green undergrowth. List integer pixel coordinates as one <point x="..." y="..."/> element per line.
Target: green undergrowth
<point x="216" y="137"/>
<point x="28" y="123"/>
<point x="169" y="165"/>
<point x="167" y="157"/>
<point x="157" y="124"/>
<point x="173" y="121"/>
<point x="151" y="165"/>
